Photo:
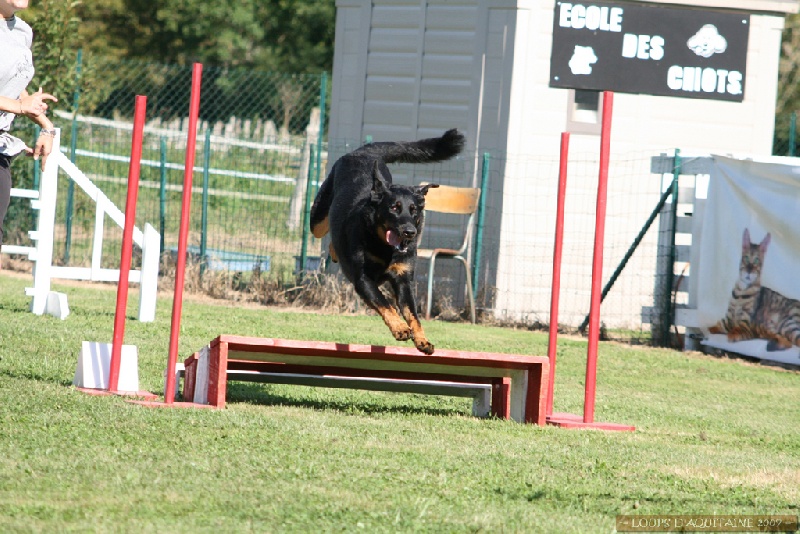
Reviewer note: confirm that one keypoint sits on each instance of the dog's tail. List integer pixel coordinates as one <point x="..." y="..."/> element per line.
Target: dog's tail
<point x="422" y="151"/>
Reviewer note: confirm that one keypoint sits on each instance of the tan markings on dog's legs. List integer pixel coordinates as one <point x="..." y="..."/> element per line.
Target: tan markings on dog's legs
<point x="400" y="268"/>
<point x="332" y="253"/>
<point x="320" y="229"/>
<point x="420" y="340"/>
<point x="399" y="329"/>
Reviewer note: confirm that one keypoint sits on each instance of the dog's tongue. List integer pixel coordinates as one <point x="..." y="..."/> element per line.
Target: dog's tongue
<point x="392" y="238"/>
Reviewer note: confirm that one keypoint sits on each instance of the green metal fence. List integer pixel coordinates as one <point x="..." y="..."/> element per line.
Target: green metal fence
<point x="256" y="135"/>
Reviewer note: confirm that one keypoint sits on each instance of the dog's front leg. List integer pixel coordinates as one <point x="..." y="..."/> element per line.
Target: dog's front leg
<point x="401" y="283"/>
<point x="369" y="292"/>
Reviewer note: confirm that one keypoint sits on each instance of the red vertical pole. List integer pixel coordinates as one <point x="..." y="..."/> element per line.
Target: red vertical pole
<point x="556" y="287"/>
<point x="140" y="112"/>
<point x="597" y="264"/>
<point x="183" y="237"/>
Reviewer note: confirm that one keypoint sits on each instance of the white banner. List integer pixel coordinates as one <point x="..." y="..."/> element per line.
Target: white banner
<point x="748" y="296"/>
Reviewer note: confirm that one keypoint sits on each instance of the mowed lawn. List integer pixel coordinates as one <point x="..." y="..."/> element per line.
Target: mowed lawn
<point x="713" y="436"/>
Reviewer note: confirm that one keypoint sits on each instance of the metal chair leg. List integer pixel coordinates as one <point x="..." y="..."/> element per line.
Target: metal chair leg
<point x="430" y="286"/>
<point x="469" y="287"/>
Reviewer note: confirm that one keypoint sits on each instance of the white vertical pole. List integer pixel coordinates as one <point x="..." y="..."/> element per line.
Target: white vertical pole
<point x="43" y="235"/>
<point x="97" y="238"/>
<point x="148" y="283"/>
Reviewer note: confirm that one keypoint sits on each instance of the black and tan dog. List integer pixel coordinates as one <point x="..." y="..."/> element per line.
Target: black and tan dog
<point x="375" y="225"/>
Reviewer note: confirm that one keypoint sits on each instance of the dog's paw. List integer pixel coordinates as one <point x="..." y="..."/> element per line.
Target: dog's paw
<point x="424" y="346"/>
<point x="402" y="334"/>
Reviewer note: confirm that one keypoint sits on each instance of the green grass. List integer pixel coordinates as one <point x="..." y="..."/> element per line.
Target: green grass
<point x="713" y="436"/>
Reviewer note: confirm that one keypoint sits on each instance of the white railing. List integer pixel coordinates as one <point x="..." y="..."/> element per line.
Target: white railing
<point x="41" y="254"/>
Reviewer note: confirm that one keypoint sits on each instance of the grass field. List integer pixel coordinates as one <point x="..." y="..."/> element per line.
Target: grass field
<point x="713" y="436"/>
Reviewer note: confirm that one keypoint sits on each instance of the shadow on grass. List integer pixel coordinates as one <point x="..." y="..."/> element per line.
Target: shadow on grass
<point x="262" y="395"/>
<point x="15" y="308"/>
<point x="37" y="377"/>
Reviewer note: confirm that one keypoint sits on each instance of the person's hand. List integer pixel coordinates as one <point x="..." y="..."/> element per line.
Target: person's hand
<point x="43" y="147"/>
<point x="34" y="104"/>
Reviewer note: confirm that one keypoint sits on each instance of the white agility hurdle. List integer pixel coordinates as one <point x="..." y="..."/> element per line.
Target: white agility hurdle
<point x="41" y="254"/>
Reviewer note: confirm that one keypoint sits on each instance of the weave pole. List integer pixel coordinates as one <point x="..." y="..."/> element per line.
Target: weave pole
<point x="555" y="293"/>
<point x="134" y="167"/>
<point x="597" y="262"/>
<point x="587" y="421"/>
<point x="183" y="238"/>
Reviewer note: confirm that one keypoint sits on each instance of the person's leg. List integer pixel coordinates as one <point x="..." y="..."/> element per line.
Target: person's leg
<point x="5" y="192"/>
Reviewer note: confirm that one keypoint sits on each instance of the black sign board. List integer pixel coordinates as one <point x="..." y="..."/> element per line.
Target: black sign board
<point x="668" y="51"/>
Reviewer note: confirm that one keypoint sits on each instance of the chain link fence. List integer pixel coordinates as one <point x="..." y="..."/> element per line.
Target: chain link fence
<point x="261" y="152"/>
<point x="785" y="138"/>
<point x="257" y="134"/>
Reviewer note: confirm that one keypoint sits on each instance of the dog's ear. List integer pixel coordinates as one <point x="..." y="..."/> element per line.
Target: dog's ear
<point x="379" y="184"/>
<point x="423" y="189"/>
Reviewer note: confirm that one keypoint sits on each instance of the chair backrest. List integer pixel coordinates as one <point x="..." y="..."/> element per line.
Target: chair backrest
<point x="455" y="200"/>
<point x="450" y="199"/>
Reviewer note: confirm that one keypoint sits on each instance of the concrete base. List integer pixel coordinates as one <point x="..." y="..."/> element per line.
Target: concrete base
<point x="94" y="364"/>
<point x="56" y="305"/>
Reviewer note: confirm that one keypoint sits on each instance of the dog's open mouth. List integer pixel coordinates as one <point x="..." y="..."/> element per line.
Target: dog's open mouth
<point x="393" y="238"/>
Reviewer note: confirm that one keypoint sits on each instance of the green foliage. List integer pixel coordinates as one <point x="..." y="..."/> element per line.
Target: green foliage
<point x="55" y="26"/>
<point x="713" y="436"/>
<point x="298" y="35"/>
<point x="789" y="69"/>
<point x="285" y="36"/>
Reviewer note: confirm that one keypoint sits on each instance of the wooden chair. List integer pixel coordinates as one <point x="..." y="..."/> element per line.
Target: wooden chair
<point x="460" y="201"/>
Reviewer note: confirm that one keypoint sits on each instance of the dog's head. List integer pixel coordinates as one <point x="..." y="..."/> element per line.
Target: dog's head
<point x="399" y="210"/>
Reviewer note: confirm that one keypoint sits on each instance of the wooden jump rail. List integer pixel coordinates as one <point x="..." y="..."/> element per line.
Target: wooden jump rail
<point x="516" y="384"/>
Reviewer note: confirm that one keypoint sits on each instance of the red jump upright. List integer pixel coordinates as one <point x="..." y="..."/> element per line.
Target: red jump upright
<point x="587" y="420"/>
<point x="183" y="237"/>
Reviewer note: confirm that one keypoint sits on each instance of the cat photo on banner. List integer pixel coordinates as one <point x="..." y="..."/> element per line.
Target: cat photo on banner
<point x="748" y="294"/>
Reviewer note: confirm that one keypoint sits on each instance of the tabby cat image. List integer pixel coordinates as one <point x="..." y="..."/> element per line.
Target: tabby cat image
<point x="756" y="311"/>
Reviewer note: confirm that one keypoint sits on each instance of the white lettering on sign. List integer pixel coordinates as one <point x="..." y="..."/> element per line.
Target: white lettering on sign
<point x="707" y="80"/>
<point x="642" y="46"/>
<point x="578" y="17"/>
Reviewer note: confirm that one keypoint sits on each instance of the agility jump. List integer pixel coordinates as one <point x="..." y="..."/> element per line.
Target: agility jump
<point x="520" y="387"/>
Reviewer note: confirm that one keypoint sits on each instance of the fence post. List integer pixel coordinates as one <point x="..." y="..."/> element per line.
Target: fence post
<point x="792" y="132"/>
<point x="73" y="146"/>
<point x="670" y="271"/>
<point x="476" y="261"/>
<point x="162" y="193"/>
<point x="204" y="219"/>
<point x="43" y="264"/>
<point x="307" y="212"/>
<point x="323" y="91"/>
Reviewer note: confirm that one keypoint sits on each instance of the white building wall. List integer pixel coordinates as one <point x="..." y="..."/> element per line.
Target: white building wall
<point x="407" y="69"/>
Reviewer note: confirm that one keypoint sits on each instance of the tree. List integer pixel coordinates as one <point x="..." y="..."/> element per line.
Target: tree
<point x="280" y="35"/>
<point x="789" y="70"/>
<point x="55" y="24"/>
<point x="298" y="35"/>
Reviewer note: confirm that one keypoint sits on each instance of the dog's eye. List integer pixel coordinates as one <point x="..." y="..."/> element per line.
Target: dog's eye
<point x="397" y="208"/>
<point x="412" y="210"/>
